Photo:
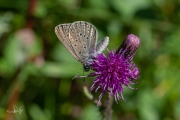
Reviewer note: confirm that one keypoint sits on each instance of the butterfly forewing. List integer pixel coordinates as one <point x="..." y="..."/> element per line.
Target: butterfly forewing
<point x="62" y="32"/>
<point x="83" y="36"/>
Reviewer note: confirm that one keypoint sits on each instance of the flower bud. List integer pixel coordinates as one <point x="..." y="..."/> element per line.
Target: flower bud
<point x="129" y="46"/>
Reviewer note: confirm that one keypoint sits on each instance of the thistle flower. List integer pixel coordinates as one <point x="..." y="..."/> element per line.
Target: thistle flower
<point x="117" y="70"/>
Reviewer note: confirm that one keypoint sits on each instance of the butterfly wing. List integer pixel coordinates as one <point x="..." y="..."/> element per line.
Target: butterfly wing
<point x="62" y="32"/>
<point x="101" y="45"/>
<point x="83" y="35"/>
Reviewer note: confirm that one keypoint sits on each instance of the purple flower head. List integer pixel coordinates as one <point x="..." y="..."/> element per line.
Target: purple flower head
<point x="117" y="70"/>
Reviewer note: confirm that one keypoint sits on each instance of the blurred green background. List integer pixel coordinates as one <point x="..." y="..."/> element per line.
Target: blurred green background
<point x="36" y="70"/>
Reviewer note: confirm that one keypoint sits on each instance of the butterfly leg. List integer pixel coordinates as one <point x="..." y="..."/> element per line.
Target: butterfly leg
<point x="80" y="77"/>
<point x="76" y="76"/>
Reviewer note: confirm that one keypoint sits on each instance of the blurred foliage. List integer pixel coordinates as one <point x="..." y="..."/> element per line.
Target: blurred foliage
<point x="36" y="70"/>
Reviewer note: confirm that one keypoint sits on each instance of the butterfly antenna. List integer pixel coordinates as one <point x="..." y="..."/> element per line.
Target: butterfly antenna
<point x="76" y="76"/>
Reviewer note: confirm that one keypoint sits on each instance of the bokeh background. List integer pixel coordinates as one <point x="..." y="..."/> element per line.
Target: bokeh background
<point x="36" y="70"/>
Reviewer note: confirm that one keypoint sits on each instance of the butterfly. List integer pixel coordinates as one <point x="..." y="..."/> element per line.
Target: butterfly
<point x="80" y="39"/>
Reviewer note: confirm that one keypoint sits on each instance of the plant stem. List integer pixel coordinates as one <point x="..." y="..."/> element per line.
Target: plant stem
<point x="107" y="107"/>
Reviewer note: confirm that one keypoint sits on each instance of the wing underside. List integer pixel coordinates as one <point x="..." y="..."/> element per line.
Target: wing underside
<point x="79" y="38"/>
<point x="62" y="32"/>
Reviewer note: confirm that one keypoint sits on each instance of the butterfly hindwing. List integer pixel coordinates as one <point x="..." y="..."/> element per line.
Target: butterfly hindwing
<point x="101" y="45"/>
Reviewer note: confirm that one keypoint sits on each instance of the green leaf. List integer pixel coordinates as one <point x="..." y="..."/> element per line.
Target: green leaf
<point x="90" y="112"/>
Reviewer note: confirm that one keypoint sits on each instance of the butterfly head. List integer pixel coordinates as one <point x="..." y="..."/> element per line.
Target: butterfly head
<point x="87" y="67"/>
